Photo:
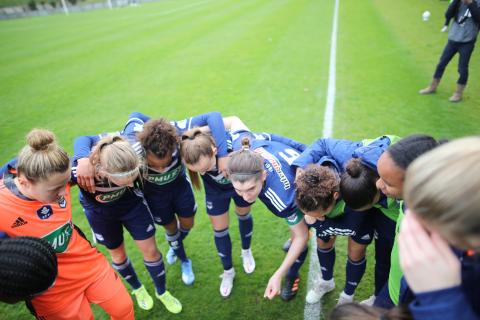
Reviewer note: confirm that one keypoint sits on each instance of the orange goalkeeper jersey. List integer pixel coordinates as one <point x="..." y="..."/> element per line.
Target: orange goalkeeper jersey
<point x="78" y="263"/>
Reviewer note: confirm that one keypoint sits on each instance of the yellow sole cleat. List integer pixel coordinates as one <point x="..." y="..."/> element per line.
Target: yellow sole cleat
<point x="170" y="302"/>
<point x="144" y="300"/>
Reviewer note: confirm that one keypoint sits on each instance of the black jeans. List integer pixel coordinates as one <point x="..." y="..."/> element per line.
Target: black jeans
<point x="465" y="50"/>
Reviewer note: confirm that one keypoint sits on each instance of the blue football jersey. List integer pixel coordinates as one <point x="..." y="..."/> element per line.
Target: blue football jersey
<point x="216" y="179"/>
<point x="175" y="169"/>
<point x="278" y="192"/>
<point x="341" y="151"/>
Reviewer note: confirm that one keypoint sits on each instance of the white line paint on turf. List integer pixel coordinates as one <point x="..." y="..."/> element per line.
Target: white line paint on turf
<point x="313" y="311"/>
<point x="328" y="117"/>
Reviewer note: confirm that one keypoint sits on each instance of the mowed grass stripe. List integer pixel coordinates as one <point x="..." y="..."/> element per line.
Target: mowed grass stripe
<point x="293" y="80"/>
<point x="107" y="73"/>
<point x="91" y="25"/>
<point x="229" y="70"/>
<point x="424" y="43"/>
<point x="101" y="98"/>
<point x="110" y="44"/>
<point x="379" y="77"/>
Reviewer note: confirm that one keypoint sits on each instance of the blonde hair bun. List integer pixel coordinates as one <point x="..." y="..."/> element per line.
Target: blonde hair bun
<point x="40" y="139"/>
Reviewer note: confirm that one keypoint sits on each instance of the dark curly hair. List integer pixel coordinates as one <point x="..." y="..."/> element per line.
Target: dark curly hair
<point x="159" y="137"/>
<point x="315" y="188"/>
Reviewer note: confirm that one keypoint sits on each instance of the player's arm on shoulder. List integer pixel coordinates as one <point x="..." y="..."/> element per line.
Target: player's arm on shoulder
<point x="83" y="145"/>
<point x="298" y="146"/>
<point x="134" y="124"/>
<point x="138" y="116"/>
<point x="312" y="154"/>
<point x="10" y="164"/>
<point x="234" y="123"/>
<point x="83" y="171"/>
<point x="214" y="121"/>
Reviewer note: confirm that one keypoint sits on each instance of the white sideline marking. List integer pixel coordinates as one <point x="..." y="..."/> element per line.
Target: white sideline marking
<point x="328" y="117"/>
<point x="313" y="311"/>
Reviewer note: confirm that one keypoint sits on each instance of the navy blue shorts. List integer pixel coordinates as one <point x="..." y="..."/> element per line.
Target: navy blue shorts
<point x="384" y="234"/>
<point x="218" y="201"/>
<point x="166" y="202"/>
<point x="384" y="226"/>
<point x="351" y="223"/>
<point x="107" y="222"/>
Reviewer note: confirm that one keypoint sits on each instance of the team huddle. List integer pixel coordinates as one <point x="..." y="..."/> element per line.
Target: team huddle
<point x="415" y="197"/>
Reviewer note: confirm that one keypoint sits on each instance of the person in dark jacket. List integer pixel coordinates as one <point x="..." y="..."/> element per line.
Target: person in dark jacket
<point x="461" y="39"/>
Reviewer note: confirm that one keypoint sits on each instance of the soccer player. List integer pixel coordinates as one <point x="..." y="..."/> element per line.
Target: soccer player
<point x="318" y="196"/>
<point x="439" y="238"/>
<point x="118" y="202"/>
<point x="35" y="201"/>
<point x="166" y="187"/>
<point x="359" y="191"/>
<point x="392" y="166"/>
<point x="200" y="154"/>
<point x="353" y="165"/>
<point x="262" y="169"/>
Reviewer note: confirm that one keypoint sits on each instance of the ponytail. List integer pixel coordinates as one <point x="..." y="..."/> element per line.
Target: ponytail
<point x="195" y="144"/>
<point x="195" y="179"/>
<point x="245" y="165"/>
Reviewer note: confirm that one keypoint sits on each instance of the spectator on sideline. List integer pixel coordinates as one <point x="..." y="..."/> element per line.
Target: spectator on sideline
<point x="461" y="38"/>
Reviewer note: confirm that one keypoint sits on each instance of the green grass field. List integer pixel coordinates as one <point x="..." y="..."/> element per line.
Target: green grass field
<point x="265" y="61"/>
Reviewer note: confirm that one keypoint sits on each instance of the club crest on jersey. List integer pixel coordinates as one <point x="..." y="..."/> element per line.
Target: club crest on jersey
<point x="45" y="212"/>
<point x="138" y="127"/>
<point x="209" y="205"/>
<point x="293" y="218"/>
<point x="62" y="202"/>
<point x="182" y="124"/>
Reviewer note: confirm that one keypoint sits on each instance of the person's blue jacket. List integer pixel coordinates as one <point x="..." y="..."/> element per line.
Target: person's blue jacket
<point x="341" y="151"/>
<point x="460" y="302"/>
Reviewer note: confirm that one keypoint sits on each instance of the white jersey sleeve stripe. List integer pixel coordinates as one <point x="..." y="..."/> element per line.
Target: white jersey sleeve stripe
<point x="274" y="203"/>
<point x="277" y="197"/>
